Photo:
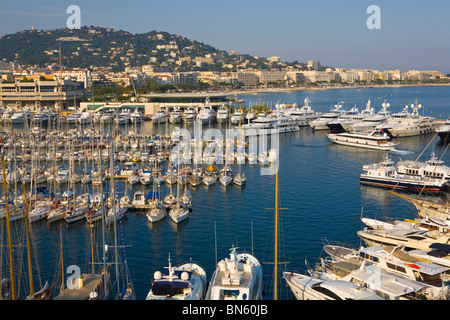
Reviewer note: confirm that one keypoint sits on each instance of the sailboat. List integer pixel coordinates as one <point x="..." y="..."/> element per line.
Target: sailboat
<point x="8" y="285"/>
<point x="179" y="213"/>
<point x="226" y="175"/>
<point x="156" y="212"/>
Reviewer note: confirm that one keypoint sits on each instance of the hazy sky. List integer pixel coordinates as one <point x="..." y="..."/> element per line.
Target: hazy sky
<point x="413" y="35"/>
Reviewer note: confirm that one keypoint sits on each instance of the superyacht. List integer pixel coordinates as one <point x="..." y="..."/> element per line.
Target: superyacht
<point x="321" y="122"/>
<point x="370" y="122"/>
<point x="375" y="139"/>
<point x="409" y="124"/>
<point x="303" y="115"/>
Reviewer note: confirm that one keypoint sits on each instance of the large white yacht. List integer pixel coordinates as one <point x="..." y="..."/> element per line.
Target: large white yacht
<point x="107" y="116"/>
<point x="124" y="117"/>
<point x="160" y="116"/>
<point x="236" y="278"/>
<point x="409" y="124"/>
<point x="385" y="174"/>
<point x="85" y="118"/>
<point x="305" y="287"/>
<point x="386" y="284"/>
<point x="364" y="139"/>
<point x="321" y="122"/>
<point x="303" y="115"/>
<point x="238" y="117"/>
<point x="185" y="282"/>
<point x="345" y="122"/>
<point x="432" y="168"/>
<point x="269" y="124"/>
<point x="175" y="116"/>
<point x="73" y="118"/>
<point x="396" y="260"/>
<point x="20" y="117"/>
<point x="443" y="130"/>
<point x="370" y="122"/>
<point x="223" y="114"/>
<point x="206" y="114"/>
<point x="136" y="116"/>
<point x="189" y="115"/>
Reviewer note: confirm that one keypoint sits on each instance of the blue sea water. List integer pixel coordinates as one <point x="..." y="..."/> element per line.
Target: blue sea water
<point x="320" y="199"/>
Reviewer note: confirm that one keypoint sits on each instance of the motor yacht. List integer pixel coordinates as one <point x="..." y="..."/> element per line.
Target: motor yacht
<point x="409" y="124"/>
<point x="370" y="122"/>
<point x="344" y="123"/>
<point x="238" y="277"/>
<point x="305" y="287"/>
<point x="374" y="139"/>
<point x="175" y="116"/>
<point x="136" y="117"/>
<point x="185" y="282"/>
<point x="321" y="122"/>
<point x="85" y="118"/>
<point x="303" y="115"/>
<point x="206" y="114"/>
<point x="161" y="116"/>
<point x="237" y="117"/>
<point x="223" y="114"/>
<point x="269" y="125"/>
<point x="189" y="115"/>
<point x="124" y="117"/>
<point x="443" y="130"/>
<point x="385" y="174"/>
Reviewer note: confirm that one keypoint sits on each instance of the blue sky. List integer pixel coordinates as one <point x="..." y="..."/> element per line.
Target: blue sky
<point x="413" y="35"/>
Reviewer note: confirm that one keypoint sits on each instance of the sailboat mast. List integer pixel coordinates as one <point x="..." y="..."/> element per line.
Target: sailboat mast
<point x="27" y="224"/>
<point x="113" y="190"/>
<point x="62" y="262"/>
<point x="11" y="263"/>
<point x="275" y="297"/>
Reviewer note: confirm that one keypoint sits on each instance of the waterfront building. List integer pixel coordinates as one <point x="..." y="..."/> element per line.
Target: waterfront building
<point x="266" y="76"/>
<point x="247" y="78"/>
<point x="36" y="92"/>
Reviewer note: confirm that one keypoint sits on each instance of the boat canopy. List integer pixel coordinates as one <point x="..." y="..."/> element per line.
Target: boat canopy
<point x="152" y="195"/>
<point x="440" y="247"/>
<point x="212" y="168"/>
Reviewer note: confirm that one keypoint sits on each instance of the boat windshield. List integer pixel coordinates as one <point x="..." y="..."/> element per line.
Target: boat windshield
<point x="169" y="288"/>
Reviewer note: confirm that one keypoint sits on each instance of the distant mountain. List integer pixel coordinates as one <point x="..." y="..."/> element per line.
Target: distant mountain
<point x="94" y="46"/>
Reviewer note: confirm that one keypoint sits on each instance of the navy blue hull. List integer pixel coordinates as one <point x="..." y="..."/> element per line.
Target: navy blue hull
<point x="400" y="185"/>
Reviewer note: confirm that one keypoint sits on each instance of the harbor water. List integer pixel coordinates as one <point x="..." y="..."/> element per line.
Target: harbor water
<point x="320" y="200"/>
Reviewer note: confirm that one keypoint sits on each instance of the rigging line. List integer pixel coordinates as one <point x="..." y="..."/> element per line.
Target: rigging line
<point x="419" y="156"/>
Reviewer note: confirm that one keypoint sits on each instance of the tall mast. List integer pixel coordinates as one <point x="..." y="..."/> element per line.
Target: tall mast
<point x="27" y="224"/>
<point x="62" y="262"/>
<point x="276" y="238"/>
<point x="11" y="263"/>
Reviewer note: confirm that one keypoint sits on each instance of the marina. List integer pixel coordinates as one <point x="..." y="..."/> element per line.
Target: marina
<point x="222" y="214"/>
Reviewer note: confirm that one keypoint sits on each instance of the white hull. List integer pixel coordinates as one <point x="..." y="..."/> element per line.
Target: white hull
<point x="222" y="119"/>
<point x="156" y="214"/>
<point x="179" y="214"/>
<point x="309" y="288"/>
<point x="160" y="119"/>
<point x="361" y="142"/>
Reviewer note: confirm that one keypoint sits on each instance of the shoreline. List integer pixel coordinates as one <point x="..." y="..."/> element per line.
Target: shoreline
<point x="324" y="88"/>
